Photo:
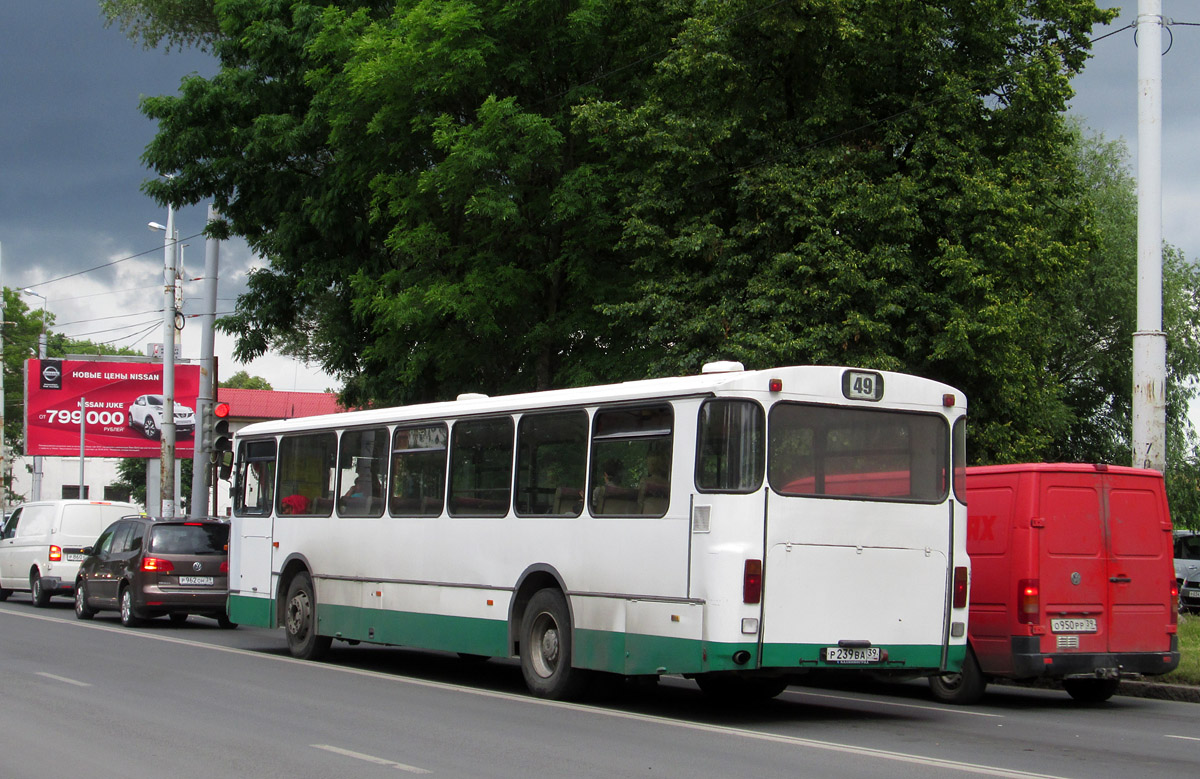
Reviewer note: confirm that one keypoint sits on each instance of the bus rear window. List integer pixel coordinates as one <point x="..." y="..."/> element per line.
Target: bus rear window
<point x="829" y="451"/>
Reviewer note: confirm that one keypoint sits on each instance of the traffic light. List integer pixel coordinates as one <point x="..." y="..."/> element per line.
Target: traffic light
<point x="220" y="444"/>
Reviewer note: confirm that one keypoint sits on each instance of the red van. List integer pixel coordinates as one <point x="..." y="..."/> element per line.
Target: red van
<point x="1072" y="579"/>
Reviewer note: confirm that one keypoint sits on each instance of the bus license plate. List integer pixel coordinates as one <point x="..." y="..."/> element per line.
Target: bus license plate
<point x="1073" y="625"/>
<point x="838" y="654"/>
<point x="196" y="580"/>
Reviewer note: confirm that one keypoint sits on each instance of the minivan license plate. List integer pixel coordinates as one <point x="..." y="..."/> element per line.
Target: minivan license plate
<point x="838" y="654"/>
<point x="1073" y="625"/>
<point x="201" y="580"/>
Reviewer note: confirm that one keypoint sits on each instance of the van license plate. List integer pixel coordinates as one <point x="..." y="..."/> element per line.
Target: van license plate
<point x="1073" y="625"/>
<point x="196" y="580"/>
<point x="838" y="654"/>
<point x="74" y="558"/>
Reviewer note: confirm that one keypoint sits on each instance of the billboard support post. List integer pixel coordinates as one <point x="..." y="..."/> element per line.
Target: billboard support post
<point x="82" y="443"/>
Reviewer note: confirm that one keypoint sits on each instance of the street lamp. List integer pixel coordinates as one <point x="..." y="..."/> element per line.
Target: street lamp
<point x="170" y="247"/>
<point x="37" y="459"/>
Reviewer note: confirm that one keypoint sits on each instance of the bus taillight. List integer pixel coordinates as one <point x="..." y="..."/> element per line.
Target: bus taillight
<point x="960" y="587"/>
<point x="752" y="582"/>
<point x="1027" y="601"/>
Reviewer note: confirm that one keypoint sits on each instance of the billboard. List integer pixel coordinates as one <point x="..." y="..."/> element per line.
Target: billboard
<point x="123" y="403"/>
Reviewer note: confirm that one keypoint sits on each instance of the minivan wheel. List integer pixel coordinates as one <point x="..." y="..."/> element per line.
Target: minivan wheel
<point x="41" y="598"/>
<point x="130" y="617"/>
<point x="4" y="595"/>
<point x="1091" y="690"/>
<point x="82" y="609"/>
<point x="961" y="688"/>
<point x="224" y="621"/>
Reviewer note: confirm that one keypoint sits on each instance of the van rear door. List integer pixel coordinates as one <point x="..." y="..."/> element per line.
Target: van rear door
<point x="1102" y="555"/>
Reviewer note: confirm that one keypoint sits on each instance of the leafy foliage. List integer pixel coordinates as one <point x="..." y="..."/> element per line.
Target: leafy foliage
<point x="501" y="196"/>
<point x="243" y="380"/>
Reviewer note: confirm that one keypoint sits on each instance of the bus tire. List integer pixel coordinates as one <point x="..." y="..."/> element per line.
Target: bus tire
<point x="300" y="621"/>
<point x="1091" y="690"/>
<point x="963" y="688"/>
<point x="546" y="648"/>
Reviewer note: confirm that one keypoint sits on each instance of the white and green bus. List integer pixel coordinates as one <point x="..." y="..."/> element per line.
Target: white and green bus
<point x="736" y="527"/>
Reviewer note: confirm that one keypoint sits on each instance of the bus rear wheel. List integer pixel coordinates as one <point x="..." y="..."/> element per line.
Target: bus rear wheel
<point x="300" y="621"/>
<point x="546" y="648"/>
<point x="961" y="688"/>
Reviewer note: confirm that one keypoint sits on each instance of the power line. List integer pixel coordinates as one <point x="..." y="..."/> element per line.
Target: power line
<point x="107" y="264"/>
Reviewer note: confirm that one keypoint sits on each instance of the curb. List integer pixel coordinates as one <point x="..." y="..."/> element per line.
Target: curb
<point x="1159" y="691"/>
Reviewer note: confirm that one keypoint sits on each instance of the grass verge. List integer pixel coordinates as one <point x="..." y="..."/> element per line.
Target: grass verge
<point x="1188" y="671"/>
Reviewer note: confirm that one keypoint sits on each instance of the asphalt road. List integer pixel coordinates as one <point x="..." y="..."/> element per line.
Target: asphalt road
<point x="95" y="699"/>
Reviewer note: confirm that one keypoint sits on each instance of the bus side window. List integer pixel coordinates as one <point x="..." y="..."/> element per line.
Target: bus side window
<point x="481" y="459"/>
<point x="551" y="464"/>
<point x="362" y="471"/>
<point x="631" y="461"/>
<point x="306" y="474"/>
<point x="731" y="455"/>
<point x="418" y="485"/>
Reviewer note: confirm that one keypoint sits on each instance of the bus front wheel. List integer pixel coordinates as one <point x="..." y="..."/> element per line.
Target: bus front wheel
<point x="546" y="648"/>
<point x="300" y="621"/>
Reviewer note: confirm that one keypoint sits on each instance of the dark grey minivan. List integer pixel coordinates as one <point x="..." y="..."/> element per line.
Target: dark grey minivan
<point x="145" y="567"/>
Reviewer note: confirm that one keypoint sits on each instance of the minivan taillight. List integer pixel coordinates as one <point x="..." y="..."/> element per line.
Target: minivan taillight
<point x="224" y="566"/>
<point x="960" y="587"/>
<point x="55" y="554"/>
<point x="157" y="564"/>
<point x="752" y="582"/>
<point x="1027" y="601"/>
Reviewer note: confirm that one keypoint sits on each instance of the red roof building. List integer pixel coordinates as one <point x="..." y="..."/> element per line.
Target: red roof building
<point x="251" y="405"/>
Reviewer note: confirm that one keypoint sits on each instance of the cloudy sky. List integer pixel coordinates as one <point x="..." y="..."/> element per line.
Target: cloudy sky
<point x="72" y="139"/>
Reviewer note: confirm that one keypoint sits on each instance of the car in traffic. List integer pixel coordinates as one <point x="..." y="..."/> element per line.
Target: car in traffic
<point x="1189" y="593"/>
<point x="146" y="413"/>
<point x="42" y="542"/>
<point x="1187" y="555"/>
<point x="145" y="567"/>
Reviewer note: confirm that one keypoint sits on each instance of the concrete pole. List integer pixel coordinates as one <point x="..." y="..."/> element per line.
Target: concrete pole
<point x="201" y="469"/>
<point x="3" y="458"/>
<point x="167" y="431"/>
<point x="1149" y="340"/>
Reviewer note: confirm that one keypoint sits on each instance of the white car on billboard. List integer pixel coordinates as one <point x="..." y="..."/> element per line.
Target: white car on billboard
<point x="146" y="413"/>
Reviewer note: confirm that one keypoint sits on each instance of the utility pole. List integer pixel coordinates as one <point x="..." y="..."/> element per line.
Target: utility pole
<point x="1149" y="340"/>
<point x="201" y="468"/>
<point x="3" y="459"/>
<point x="167" y="429"/>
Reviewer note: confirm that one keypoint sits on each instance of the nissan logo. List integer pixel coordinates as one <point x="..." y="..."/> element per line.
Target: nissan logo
<point x="51" y="373"/>
<point x="196" y="566"/>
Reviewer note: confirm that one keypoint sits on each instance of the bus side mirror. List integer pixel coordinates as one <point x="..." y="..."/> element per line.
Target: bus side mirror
<point x="225" y="465"/>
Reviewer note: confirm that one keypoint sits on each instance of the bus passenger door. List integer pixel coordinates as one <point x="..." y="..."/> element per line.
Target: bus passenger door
<point x="251" y="548"/>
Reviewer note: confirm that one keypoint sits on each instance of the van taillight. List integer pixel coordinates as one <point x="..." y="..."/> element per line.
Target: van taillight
<point x="55" y="554"/>
<point x="1174" y="604"/>
<point x="1027" y="601"/>
<point x="752" y="582"/>
<point x="157" y="564"/>
<point x="960" y="587"/>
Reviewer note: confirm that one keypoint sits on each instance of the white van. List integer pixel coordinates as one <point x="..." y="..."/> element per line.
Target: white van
<point x="41" y="544"/>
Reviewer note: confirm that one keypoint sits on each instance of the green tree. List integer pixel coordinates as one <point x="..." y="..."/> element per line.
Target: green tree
<point x="131" y="475"/>
<point x="175" y="23"/>
<point x="243" y="380"/>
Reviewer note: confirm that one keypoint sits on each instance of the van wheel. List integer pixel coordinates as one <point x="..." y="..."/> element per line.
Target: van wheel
<point x="300" y="621"/>
<point x="41" y="598"/>
<point x="4" y="595"/>
<point x="546" y="648"/>
<point x="82" y="609"/>
<point x="961" y="688"/>
<point x="130" y="617"/>
<point x="1091" y="690"/>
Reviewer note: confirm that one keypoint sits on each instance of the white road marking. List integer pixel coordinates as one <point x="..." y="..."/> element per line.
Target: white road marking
<point x="1185" y="738"/>
<point x="946" y="709"/>
<point x="63" y="679"/>
<point x="412" y="769"/>
<point x="829" y="746"/>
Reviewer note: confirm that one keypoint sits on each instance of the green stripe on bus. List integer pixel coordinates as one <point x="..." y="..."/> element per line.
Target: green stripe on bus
<point x="927" y="657"/>
<point x="252" y="612"/>
<point x="470" y="635"/>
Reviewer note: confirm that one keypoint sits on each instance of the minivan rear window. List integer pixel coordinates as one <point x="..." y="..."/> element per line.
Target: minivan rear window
<point x="203" y="539"/>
